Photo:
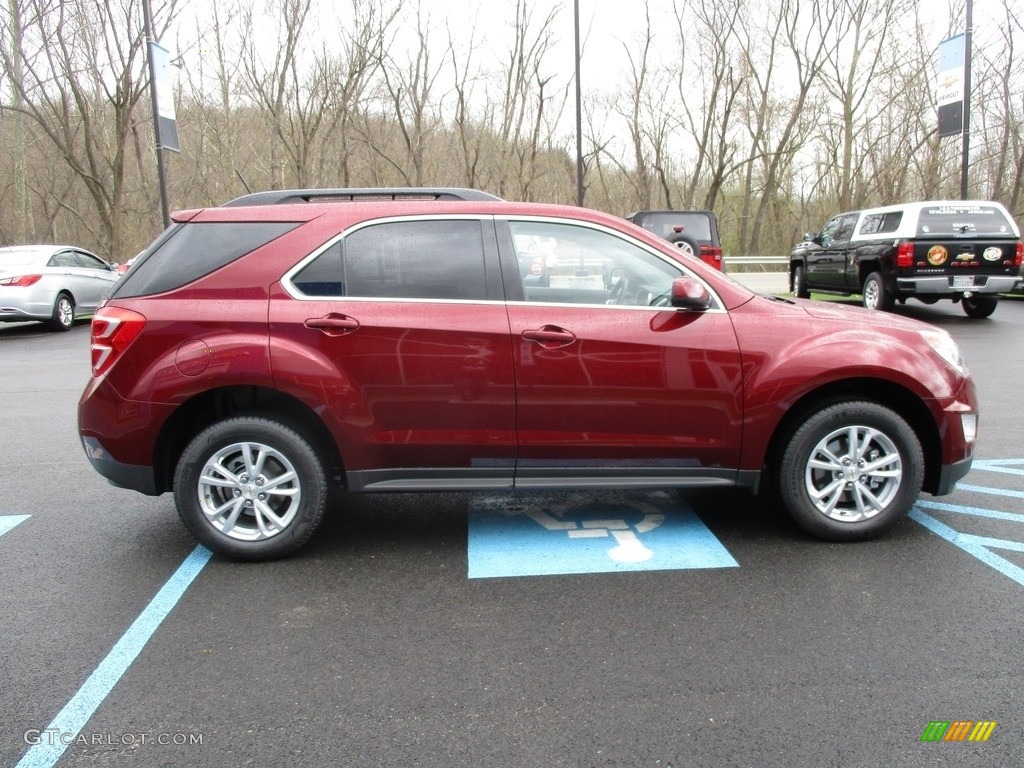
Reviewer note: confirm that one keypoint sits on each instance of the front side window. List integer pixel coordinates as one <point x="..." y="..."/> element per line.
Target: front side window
<point x="432" y="259"/>
<point x="581" y="265"/>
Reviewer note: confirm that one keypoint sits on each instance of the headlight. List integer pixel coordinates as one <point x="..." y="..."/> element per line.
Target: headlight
<point x="945" y="348"/>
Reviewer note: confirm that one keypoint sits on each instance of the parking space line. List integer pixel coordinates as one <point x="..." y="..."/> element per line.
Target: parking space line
<point x="993" y="491"/>
<point x="995" y="514"/>
<point x="977" y="546"/>
<point x="76" y="713"/>
<point x="8" y="522"/>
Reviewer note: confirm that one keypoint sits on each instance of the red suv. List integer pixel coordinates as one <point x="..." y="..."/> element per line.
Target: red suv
<point x="262" y="355"/>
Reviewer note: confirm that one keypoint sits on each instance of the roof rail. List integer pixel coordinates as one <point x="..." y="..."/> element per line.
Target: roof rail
<point x="284" y="196"/>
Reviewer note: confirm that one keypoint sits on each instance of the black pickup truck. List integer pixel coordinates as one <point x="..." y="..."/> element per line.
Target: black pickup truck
<point x="963" y="250"/>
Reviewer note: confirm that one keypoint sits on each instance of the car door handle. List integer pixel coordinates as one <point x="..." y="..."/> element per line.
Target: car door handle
<point x="333" y="324"/>
<point x="550" y="336"/>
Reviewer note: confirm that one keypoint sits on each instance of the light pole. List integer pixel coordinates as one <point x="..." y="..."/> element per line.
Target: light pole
<point x="964" y="161"/>
<point x="579" y="110"/>
<point x="147" y="15"/>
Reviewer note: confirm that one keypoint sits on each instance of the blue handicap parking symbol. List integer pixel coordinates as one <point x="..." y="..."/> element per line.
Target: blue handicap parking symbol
<point x="546" y="534"/>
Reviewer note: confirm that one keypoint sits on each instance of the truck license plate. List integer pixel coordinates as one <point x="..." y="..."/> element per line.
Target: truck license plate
<point x="963" y="281"/>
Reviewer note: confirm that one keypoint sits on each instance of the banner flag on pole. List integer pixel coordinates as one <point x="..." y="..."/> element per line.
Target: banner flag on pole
<point x="167" y="124"/>
<point x="949" y="86"/>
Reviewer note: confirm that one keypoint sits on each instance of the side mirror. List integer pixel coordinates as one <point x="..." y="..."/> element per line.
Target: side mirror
<point x="810" y="237"/>
<point x="690" y="294"/>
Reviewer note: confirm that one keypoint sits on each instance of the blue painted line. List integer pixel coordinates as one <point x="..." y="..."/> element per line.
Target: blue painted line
<point x="994" y="514"/>
<point x="976" y="546"/>
<point x="76" y="713"/>
<point x="991" y="466"/>
<point x="993" y="491"/>
<point x="556" y="534"/>
<point x="8" y="522"/>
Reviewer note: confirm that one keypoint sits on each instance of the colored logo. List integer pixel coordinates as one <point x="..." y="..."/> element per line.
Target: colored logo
<point x="993" y="254"/>
<point x="937" y="255"/>
<point x="958" y="730"/>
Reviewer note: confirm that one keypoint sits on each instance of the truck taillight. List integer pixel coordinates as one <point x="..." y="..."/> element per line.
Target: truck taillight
<point x="905" y="255"/>
<point x="1019" y="258"/>
<point x="113" y="329"/>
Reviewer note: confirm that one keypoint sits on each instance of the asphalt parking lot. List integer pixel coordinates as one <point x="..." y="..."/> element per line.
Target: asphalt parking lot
<point x="601" y="629"/>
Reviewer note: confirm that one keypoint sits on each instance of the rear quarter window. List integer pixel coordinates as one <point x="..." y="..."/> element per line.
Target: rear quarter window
<point x="187" y="252"/>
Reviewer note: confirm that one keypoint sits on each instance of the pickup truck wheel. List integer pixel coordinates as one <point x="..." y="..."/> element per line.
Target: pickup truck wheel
<point x="979" y="307"/>
<point x="876" y="295"/>
<point x="800" y="283"/>
<point x="850" y="471"/>
<point x="250" y="488"/>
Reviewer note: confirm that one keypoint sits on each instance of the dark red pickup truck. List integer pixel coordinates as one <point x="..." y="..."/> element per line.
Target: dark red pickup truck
<point x="964" y="250"/>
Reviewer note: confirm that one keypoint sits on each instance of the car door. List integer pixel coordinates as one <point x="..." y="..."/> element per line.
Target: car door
<point x="94" y="279"/>
<point x="400" y="325"/>
<point x="826" y="258"/>
<point x="611" y="382"/>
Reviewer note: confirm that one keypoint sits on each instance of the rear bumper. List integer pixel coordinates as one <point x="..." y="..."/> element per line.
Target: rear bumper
<point x="130" y="476"/>
<point x="943" y="284"/>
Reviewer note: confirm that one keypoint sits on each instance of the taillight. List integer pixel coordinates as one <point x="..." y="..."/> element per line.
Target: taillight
<point x="1019" y="257"/>
<point x="905" y="255"/>
<point x="113" y="329"/>
<point x="711" y="254"/>
<point x="24" y="281"/>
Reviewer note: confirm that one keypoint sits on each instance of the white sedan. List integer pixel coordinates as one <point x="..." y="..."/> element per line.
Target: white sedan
<point x="57" y="284"/>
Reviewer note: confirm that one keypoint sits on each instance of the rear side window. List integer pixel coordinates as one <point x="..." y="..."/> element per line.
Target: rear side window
<point x="190" y="251"/>
<point x="963" y="219"/>
<point x="881" y="223"/>
<point x="432" y="259"/>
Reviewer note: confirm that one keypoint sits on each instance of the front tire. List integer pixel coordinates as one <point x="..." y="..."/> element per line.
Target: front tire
<point x="850" y="471"/>
<point x="251" y="488"/>
<point x="63" y="316"/>
<point x="876" y="295"/>
<point x="800" y="284"/>
<point x="979" y="307"/>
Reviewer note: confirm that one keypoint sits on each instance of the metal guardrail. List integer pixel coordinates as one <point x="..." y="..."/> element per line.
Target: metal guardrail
<point x="756" y="259"/>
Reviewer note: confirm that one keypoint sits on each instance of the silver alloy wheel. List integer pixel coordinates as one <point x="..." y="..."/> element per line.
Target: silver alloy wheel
<point x="872" y="294"/>
<point x="853" y="473"/>
<point x="65" y="312"/>
<point x="249" y="491"/>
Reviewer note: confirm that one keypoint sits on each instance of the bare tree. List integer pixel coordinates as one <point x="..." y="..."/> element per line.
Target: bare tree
<point x="79" y="81"/>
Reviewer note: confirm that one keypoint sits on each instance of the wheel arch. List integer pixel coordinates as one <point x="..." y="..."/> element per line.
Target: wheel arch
<point x="205" y="408"/>
<point x="891" y="395"/>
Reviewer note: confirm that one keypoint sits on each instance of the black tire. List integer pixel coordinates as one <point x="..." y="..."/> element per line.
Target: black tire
<point x="876" y="294"/>
<point x="237" y="516"/>
<point x="63" y="316"/>
<point x="800" y="283"/>
<point x="979" y="307"/>
<point x="857" y="494"/>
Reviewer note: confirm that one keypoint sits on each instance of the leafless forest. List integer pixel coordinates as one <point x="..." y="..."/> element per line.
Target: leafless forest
<point x="772" y="113"/>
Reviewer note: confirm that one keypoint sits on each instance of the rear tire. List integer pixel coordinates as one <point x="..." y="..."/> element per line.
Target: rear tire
<point x="876" y="295"/>
<point x="251" y="488"/>
<point x="63" y="317"/>
<point x="850" y="471"/>
<point x="979" y="307"/>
